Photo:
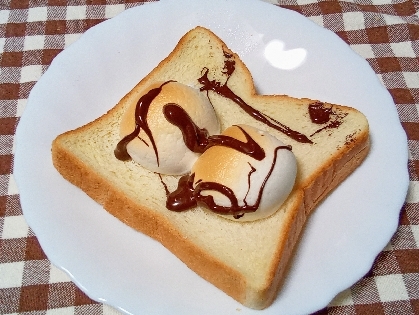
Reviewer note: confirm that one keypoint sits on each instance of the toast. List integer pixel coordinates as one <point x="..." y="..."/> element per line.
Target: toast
<point x="247" y="260"/>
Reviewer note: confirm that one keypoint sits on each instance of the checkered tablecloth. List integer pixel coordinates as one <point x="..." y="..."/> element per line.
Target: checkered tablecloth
<point x="33" y="32"/>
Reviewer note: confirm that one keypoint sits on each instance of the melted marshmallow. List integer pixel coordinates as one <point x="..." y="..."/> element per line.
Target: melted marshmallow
<point x="174" y="157"/>
<point x="233" y="169"/>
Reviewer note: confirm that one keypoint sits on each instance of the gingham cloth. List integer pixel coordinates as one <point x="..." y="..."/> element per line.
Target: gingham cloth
<point x="33" y="32"/>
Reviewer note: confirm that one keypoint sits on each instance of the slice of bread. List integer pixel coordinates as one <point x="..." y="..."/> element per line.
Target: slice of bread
<point x="247" y="260"/>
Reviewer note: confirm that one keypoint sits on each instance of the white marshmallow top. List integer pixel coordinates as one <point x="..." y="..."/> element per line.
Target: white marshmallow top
<point x="232" y="168"/>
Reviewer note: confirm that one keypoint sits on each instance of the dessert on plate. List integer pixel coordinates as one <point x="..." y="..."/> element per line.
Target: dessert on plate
<point x="223" y="177"/>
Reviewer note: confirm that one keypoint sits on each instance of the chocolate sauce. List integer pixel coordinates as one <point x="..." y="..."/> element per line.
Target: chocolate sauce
<point x="252" y="170"/>
<point x="195" y="138"/>
<point x="183" y="197"/>
<point x="331" y="125"/>
<point x="164" y="184"/>
<point x="186" y="196"/>
<point x="195" y="145"/>
<point x="224" y="90"/>
<point x="229" y="64"/>
<point x="198" y="140"/>
<point x="319" y="114"/>
<point x="141" y="111"/>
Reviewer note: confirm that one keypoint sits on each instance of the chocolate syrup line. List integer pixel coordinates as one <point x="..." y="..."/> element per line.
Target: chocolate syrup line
<point x="195" y="138"/>
<point x="198" y="140"/>
<point x="142" y="140"/>
<point x="141" y="111"/>
<point x="224" y="90"/>
<point x="333" y="124"/>
<point x="252" y="170"/>
<point x="164" y="184"/>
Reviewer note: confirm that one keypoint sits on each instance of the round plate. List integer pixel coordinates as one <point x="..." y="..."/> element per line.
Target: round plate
<point x="119" y="266"/>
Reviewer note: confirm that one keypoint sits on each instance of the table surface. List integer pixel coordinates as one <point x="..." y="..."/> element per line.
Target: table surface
<point x="33" y="32"/>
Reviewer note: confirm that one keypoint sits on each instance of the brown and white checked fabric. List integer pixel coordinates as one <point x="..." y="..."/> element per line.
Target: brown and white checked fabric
<point x="33" y="32"/>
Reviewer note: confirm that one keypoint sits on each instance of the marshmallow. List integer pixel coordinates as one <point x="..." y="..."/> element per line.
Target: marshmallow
<point x="174" y="157"/>
<point x="245" y="175"/>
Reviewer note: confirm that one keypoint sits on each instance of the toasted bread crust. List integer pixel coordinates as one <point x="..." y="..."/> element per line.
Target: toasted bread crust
<point x="307" y="194"/>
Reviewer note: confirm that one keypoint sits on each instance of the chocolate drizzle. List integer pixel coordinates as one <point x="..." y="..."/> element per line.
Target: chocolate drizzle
<point x="197" y="140"/>
<point x="183" y="198"/>
<point x="141" y="111"/>
<point x="190" y="129"/>
<point x="224" y="90"/>
<point x="320" y="114"/>
<point x="229" y="64"/>
<point x="331" y="125"/>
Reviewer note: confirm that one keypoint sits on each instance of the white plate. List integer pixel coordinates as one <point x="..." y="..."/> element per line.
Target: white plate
<point x="116" y="265"/>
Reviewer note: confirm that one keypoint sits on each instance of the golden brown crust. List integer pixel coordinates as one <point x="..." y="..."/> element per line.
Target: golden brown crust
<point x="305" y="197"/>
